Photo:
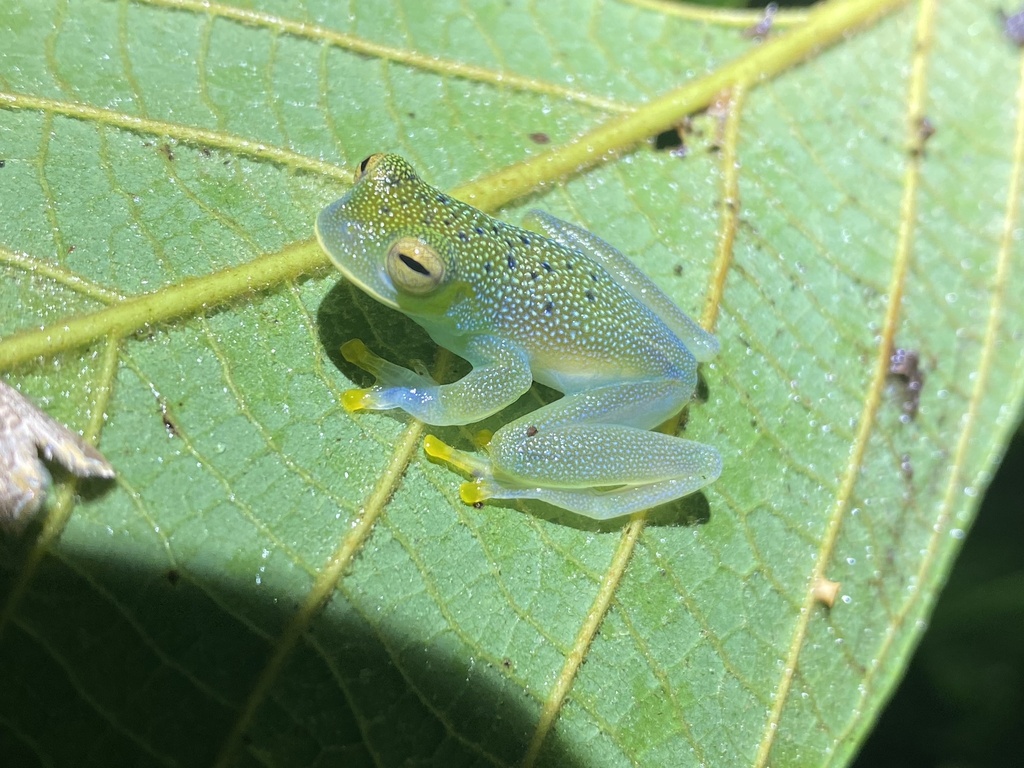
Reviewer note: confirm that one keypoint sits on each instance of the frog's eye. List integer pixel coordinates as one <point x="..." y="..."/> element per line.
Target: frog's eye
<point x="367" y="165"/>
<point x="414" y="267"/>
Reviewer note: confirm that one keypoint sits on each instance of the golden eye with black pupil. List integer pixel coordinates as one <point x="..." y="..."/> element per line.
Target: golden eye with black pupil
<point x="414" y="267"/>
<point x="367" y="165"/>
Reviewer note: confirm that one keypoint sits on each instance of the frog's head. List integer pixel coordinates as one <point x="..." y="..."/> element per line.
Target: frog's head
<point x="387" y="235"/>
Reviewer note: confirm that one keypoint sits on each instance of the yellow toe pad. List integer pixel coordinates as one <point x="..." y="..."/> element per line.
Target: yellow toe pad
<point x="473" y="493"/>
<point x="356" y="400"/>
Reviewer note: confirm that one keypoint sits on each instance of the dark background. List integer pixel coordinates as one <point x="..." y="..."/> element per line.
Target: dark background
<point x="962" y="701"/>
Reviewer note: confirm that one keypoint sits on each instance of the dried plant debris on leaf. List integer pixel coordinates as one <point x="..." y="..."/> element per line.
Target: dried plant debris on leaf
<point x="27" y="437"/>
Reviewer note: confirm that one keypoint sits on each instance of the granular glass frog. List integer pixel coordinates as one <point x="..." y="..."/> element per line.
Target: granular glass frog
<point x="551" y="303"/>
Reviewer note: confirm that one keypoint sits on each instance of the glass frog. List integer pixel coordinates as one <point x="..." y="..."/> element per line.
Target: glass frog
<point x="551" y="303"/>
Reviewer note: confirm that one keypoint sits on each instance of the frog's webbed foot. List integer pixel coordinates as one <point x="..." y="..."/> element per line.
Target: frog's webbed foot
<point x="476" y="467"/>
<point x="500" y="374"/>
<point x="390" y="379"/>
<point x="483" y="485"/>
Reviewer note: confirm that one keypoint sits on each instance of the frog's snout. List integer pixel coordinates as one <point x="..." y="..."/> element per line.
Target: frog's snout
<point x="353" y="245"/>
<point x="335" y="229"/>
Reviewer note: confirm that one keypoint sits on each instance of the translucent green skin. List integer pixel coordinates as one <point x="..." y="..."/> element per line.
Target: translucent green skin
<point x="552" y="303"/>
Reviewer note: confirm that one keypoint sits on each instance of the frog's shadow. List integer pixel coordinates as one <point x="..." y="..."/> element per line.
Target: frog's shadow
<point x="347" y="313"/>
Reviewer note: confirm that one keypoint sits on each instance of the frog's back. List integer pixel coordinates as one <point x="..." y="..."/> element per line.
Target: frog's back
<point x="579" y="325"/>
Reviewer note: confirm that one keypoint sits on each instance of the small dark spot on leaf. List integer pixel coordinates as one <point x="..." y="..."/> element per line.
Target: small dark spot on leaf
<point x="905" y="364"/>
<point x="173" y="576"/>
<point x="666" y="140"/>
<point x="906" y="467"/>
<point x="525" y="240"/>
<point x="461" y="234"/>
<point x="548" y="308"/>
<point x="540" y="138"/>
<point x="531" y="431"/>
<point x="487" y="267"/>
<point x="511" y="260"/>
<point x="172" y="431"/>
<point x="168" y="420"/>
<point x="546" y="266"/>
<point x="590" y="295"/>
<point x="677" y="270"/>
<point x="926" y="128"/>
<point x="1013" y="27"/>
<point x="3" y="163"/>
<point x="533" y="275"/>
<point x="478" y="505"/>
<point x="760" y="30"/>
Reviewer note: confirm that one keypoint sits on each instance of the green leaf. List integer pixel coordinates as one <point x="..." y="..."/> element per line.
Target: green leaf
<point x="272" y="581"/>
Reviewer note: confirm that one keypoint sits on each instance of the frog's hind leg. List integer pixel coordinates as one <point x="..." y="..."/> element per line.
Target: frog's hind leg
<point x="641" y="468"/>
<point x="592" y="453"/>
<point x="640" y="404"/>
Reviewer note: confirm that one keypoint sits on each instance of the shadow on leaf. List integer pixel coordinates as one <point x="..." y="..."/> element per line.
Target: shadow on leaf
<point x="131" y="665"/>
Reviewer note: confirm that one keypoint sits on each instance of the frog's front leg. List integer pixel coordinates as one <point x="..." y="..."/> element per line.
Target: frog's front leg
<point x="591" y="453"/>
<point x="500" y="375"/>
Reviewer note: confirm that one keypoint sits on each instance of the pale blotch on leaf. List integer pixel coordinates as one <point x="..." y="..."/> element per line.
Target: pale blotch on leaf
<point x="826" y="591"/>
<point x="28" y="435"/>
